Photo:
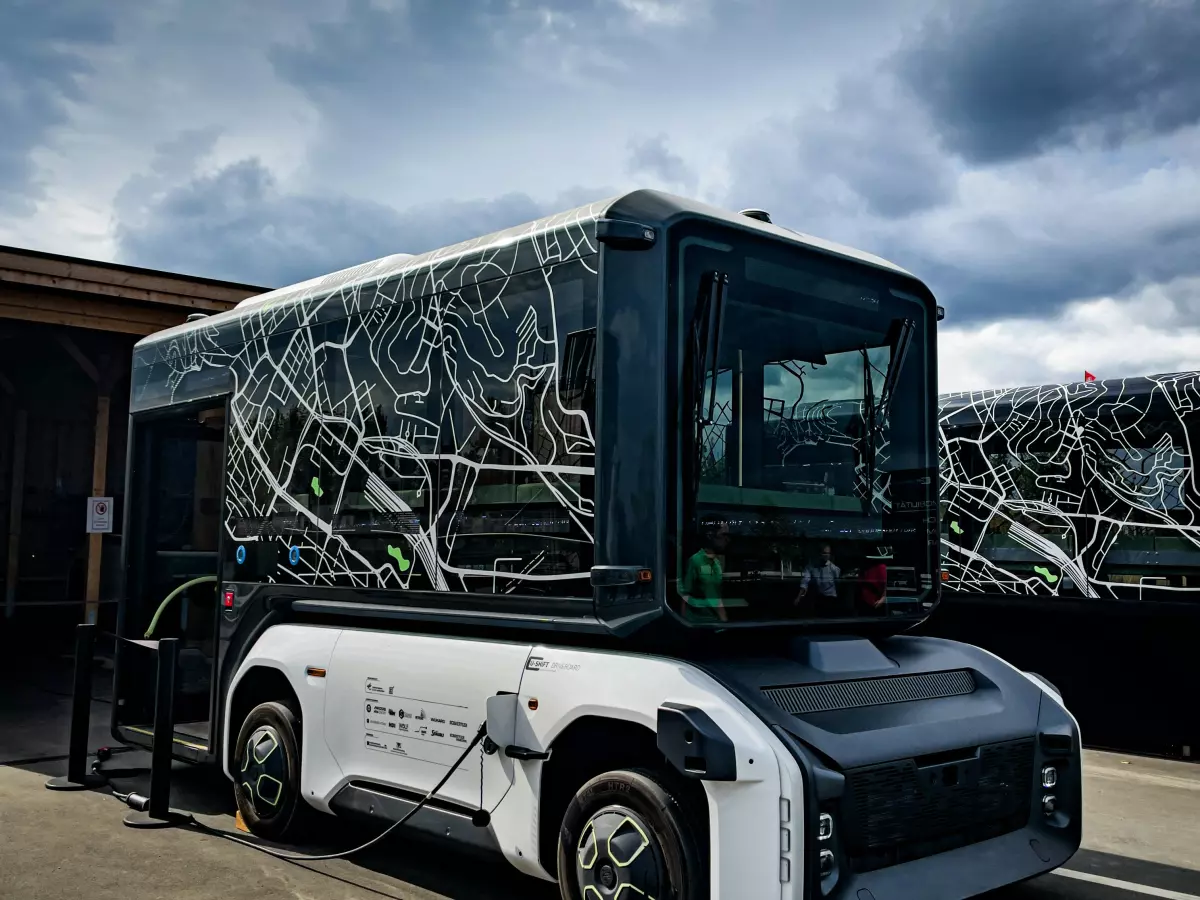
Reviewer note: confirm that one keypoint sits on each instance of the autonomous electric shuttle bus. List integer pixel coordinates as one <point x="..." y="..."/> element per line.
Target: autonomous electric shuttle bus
<point x="592" y="543"/>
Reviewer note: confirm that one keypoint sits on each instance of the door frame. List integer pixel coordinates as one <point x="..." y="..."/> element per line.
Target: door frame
<point x="134" y="553"/>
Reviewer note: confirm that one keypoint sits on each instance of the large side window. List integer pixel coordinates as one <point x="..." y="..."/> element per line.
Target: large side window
<point x="516" y="493"/>
<point x="267" y="469"/>
<point x="380" y="410"/>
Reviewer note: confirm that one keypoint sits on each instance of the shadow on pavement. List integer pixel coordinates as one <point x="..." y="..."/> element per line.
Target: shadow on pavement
<point x="35" y="710"/>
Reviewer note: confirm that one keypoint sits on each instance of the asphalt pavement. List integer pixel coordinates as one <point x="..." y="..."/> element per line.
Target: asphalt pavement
<point x="1141" y="832"/>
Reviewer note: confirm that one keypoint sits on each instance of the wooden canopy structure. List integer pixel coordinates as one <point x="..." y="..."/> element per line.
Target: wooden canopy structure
<point x="61" y="290"/>
<point x="67" y="328"/>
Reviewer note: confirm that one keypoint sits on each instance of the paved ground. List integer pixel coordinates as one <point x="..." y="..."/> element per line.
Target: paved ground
<point x="1142" y="833"/>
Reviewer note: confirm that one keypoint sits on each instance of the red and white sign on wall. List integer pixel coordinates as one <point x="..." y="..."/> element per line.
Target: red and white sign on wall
<point x="100" y="516"/>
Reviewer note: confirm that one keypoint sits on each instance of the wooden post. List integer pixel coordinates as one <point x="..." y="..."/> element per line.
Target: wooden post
<point x="96" y="541"/>
<point x="15" y="502"/>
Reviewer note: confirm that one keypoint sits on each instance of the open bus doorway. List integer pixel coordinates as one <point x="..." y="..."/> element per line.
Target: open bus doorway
<point x="172" y="580"/>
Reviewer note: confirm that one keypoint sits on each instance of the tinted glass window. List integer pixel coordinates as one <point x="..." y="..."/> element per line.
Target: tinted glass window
<point x="433" y="443"/>
<point x="517" y="448"/>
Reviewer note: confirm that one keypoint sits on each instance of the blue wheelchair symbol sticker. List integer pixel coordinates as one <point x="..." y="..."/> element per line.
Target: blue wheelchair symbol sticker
<point x="294" y="555"/>
<point x="241" y="554"/>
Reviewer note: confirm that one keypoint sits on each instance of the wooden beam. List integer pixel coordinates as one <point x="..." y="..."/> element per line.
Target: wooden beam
<point x="90" y="315"/>
<point x="97" y="278"/>
<point x="96" y="541"/>
<point x="16" y="500"/>
<point x="75" y="286"/>
<point x="89" y="367"/>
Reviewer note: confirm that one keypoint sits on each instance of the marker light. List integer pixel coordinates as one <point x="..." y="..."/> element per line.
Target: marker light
<point x="826" y="862"/>
<point x="1049" y="777"/>
<point x="825" y="827"/>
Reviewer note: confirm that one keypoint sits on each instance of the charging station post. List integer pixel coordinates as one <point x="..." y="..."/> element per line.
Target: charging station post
<point x="78" y="778"/>
<point x="156" y="811"/>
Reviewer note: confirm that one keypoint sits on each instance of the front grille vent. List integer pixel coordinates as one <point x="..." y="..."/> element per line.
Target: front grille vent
<point x="895" y="816"/>
<point x="801" y="699"/>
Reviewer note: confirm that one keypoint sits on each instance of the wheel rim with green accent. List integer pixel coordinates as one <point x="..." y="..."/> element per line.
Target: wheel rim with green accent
<point x="264" y="771"/>
<point x="617" y="859"/>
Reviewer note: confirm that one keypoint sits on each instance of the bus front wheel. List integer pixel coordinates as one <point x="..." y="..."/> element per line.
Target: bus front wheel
<point x="266" y="770"/>
<point x="626" y="828"/>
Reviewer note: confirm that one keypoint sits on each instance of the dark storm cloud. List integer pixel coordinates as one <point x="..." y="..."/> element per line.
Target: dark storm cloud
<point x="651" y="156"/>
<point x="40" y="65"/>
<point x="1009" y="80"/>
<point x="1047" y="269"/>
<point x="901" y="161"/>
<point x="377" y="40"/>
<point x="863" y="154"/>
<point x="238" y="225"/>
<point x="882" y="154"/>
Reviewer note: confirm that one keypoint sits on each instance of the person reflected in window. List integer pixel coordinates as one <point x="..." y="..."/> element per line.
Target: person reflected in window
<point x="701" y="585"/>
<point x="820" y="580"/>
<point x="873" y="585"/>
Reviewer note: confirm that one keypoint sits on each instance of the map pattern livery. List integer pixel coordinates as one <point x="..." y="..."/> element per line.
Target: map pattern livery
<point x="1085" y="489"/>
<point x="376" y="411"/>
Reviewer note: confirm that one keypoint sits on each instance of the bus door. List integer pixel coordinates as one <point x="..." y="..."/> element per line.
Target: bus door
<point x="173" y="534"/>
<point x="401" y="708"/>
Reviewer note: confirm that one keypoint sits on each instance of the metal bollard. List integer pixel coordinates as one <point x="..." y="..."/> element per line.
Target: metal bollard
<point x="78" y="778"/>
<point x="158" y="812"/>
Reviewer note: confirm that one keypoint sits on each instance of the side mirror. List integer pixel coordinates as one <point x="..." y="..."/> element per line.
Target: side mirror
<point x="502" y="719"/>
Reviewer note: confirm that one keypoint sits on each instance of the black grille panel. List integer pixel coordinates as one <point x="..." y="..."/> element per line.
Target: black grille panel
<point x="897" y="812"/>
<point x="810" y="698"/>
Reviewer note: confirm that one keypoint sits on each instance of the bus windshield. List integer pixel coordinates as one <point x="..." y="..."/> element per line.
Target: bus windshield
<point x="805" y="485"/>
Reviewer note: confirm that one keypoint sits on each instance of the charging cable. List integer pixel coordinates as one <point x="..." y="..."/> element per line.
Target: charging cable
<point x="481" y="818"/>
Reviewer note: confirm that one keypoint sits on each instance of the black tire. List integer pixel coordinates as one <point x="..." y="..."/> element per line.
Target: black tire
<point x="274" y="733"/>
<point x="634" y="807"/>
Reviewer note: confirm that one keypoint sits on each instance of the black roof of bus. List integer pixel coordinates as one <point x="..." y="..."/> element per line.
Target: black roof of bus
<point x="647" y="207"/>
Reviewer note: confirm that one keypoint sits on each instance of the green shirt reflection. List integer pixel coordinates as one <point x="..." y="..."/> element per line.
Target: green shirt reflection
<point x="701" y="584"/>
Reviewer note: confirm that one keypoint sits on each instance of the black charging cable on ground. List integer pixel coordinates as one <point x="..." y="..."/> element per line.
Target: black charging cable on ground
<point x="104" y="754"/>
<point x="481" y="817"/>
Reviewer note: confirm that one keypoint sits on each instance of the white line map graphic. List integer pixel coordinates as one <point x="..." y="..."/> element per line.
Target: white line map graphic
<point x="1079" y="489"/>
<point x="386" y="418"/>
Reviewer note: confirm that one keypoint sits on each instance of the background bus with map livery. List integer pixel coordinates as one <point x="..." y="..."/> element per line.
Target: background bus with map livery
<point x="423" y="526"/>
<point x="1074" y="509"/>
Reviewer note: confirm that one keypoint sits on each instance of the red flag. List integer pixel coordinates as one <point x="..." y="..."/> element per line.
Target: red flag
<point x="1088" y="376"/>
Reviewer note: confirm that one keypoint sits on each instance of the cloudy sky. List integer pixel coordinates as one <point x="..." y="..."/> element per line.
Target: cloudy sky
<point x="1037" y="163"/>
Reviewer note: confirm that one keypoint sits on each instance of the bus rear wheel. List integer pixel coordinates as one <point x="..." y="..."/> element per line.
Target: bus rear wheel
<point x="625" y="828"/>
<point x="266" y="771"/>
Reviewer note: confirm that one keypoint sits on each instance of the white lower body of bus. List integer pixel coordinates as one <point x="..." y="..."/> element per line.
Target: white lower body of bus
<point x="624" y="775"/>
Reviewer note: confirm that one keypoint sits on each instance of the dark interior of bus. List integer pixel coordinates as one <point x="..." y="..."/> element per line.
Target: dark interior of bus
<point x="172" y="566"/>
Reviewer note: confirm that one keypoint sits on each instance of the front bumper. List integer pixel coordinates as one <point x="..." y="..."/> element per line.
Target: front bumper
<point x="945" y="826"/>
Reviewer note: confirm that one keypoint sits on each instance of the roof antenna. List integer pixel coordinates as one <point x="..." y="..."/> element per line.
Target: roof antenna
<point x="761" y="214"/>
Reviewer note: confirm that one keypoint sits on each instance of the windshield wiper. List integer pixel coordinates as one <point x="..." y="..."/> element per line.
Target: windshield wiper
<point x="875" y="414"/>
<point x="705" y="359"/>
<point x="899" y="347"/>
<point x="869" y="419"/>
<point x="706" y="340"/>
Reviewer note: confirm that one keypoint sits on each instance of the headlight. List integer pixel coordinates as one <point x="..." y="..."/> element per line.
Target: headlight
<point x="825" y="827"/>
<point x="1049" y="777"/>
<point x="826" y="862"/>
